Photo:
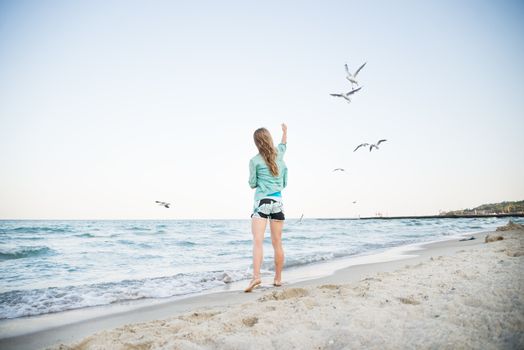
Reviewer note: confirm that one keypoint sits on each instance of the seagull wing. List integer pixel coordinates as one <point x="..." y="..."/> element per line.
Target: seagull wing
<point x="361" y="145"/>
<point x="347" y="70"/>
<point x="359" y="69"/>
<point x="337" y="95"/>
<point x="353" y="91"/>
<point x="378" y="143"/>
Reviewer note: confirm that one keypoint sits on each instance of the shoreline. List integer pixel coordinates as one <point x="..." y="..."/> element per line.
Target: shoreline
<point x="118" y="315"/>
<point x="31" y="324"/>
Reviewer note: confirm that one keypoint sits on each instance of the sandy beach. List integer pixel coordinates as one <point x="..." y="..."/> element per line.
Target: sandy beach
<point x="345" y="158"/>
<point x="452" y="294"/>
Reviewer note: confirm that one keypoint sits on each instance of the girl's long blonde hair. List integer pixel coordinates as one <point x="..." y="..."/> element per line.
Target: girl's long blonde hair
<point x="264" y="143"/>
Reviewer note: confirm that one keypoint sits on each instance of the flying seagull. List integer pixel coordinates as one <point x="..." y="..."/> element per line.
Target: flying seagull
<point x="300" y="220"/>
<point x="376" y="145"/>
<point x="339" y="169"/>
<point x="353" y="77"/>
<point x="354" y="202"/>
<point x="346" y="95"/>
<point x="361" y="145"/>
<point x="163" y="204"/>
<point x="371" y="146"/>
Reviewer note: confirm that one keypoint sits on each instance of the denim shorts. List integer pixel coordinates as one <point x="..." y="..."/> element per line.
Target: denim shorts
<point x="269" y="208"/>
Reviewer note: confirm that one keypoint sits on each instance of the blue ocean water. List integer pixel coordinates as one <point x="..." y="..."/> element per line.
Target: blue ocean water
<point x="51" y="266"/>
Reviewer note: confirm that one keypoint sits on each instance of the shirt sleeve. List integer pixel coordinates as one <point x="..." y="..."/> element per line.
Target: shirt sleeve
<point x="282" y="148"/>
<point x="252" y="174"/>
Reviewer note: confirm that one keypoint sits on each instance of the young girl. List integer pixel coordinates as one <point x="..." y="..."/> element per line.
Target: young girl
<point x="268" y="174"/>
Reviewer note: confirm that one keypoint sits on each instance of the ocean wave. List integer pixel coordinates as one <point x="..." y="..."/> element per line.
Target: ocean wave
<point x="38" y="229"/>
<point x="137" y="228"/>
<point x="134" y="243"/>
<point x="186" y="243"/>
<point x="241" y="241"/>
<point x="86" y="235"/>
<point x="301" y="238"/>
<point x="8" y="236"/>
<point x="303" y="260"/>
<point x="372" y="246"/>
<point x="25" y="252"/>
<point x="33" y="302"/>
<point x="415" y="223"/>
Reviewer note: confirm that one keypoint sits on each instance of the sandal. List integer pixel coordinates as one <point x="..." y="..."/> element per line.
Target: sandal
<point x="255" y="282"/>
<point x="277" y="283"/>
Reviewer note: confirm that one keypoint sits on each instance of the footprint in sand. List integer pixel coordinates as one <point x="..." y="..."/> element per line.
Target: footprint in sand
<point x="199" y="316"/>
<point x="409" y="300"/>
<point x="329" y="286"/>
<point x="250" y="321"/>
<point x="285" y="294"/>
<point x="514" y="253"/>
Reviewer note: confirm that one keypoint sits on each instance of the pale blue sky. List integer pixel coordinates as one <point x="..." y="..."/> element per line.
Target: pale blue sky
<point x="107" y="106"/>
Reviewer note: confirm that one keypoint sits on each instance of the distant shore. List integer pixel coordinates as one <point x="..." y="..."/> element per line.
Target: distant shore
<point x="516" y="215"/>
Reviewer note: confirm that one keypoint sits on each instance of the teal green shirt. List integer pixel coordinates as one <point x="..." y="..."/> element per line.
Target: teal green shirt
<point x="261" y="178"/>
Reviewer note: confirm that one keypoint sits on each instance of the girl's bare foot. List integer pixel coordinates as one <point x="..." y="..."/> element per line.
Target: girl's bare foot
<point x="255" y="282"/>
<point x="277" y="283"/>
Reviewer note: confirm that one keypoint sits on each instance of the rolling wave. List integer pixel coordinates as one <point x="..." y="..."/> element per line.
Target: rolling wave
<point x="19" y="303"/>
<point x="25" y="252"/>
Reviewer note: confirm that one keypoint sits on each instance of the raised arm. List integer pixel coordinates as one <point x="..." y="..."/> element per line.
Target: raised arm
<point x="284" y="134"/>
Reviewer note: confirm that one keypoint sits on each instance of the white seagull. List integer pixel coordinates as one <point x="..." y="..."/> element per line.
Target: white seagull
<point x="346" y="95"/>
<point x="361" y="145"/>
<point x="353" y="77"/>
<point x="163" y="204"/>
<point x="376" y="144"/>
<point x="371" y="146"/>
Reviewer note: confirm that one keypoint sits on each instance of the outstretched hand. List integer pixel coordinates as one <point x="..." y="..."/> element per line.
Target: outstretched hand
<point x="284" y="133"/>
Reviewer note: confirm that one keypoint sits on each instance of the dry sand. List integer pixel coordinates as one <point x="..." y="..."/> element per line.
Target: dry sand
<point x="472" y="298"/>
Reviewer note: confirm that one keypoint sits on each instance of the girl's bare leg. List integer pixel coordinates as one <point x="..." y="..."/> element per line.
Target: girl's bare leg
<point x="258" y="227"/>
<point x="276" y="239"/>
